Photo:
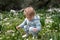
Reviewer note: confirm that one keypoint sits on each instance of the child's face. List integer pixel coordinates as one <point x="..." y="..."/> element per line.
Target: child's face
<point x="29" y="17"/>
<point x="29" y="13"/>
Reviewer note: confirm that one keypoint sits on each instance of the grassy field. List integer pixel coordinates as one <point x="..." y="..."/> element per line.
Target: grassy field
<point x="50" y="25"/>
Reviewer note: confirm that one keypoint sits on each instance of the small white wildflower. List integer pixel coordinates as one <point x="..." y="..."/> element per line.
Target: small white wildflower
<point x="6" y="19"/>
<point x="56" y="30"/>
<point x="15" y="14"/>
<point x="7" y="23"/>
<point x="10" y="31"/>
<point x="26" y="39"/>
<point x="59" y="25"/>
<point x="0" y="38"/>
<point x="49" y="17"/>
<point x="48" y="26"/>
<point x="1" y="16"/>
<point x="15" y="18"/>
<point x="0" y="31"/>
<point x="12" y="11"/>
<point x="50" y="10"/>
<point x="41" y="14"/>
<point x="13" y="34"/>
<point x="48" y="21"/>
<point x="51" y="39"/>
<point x="43" y="33"/>
<point x="55" y="9"/>
<point x="47" y="30"/>
<point x="59" y="10"/>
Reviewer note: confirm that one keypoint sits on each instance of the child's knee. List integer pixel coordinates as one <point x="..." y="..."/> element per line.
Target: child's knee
<point x="31" y="29"/>
<point x="26" y="27"/>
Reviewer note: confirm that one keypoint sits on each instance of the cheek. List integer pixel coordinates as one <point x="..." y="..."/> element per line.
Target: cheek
<point x="27" y="16"/>
<point x="30" y="18"/>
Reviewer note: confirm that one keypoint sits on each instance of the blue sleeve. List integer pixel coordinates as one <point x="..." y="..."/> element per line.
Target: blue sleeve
<point x="23" y="23"/>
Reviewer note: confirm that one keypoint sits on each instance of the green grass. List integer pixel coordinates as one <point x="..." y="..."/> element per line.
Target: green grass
<point x="8" y="21"/>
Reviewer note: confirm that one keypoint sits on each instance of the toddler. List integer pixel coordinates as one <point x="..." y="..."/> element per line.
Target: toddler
<point x="31" y="24"/>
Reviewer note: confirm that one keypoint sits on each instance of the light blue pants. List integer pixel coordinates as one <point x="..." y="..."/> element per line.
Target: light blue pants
<point x="29" y="30"/>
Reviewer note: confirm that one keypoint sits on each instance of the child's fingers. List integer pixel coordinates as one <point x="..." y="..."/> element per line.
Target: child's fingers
<point x="17" y="27"/>
<point x="34" y="29"/>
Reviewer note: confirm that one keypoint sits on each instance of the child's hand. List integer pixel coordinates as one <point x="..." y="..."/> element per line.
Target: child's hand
<point x="17" y="27"/>
<point x="35" y="29"/>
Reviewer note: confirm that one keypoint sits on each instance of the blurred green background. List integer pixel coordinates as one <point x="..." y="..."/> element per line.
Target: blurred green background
<point x="19" y="4"/>
<point x="11" y="16"/>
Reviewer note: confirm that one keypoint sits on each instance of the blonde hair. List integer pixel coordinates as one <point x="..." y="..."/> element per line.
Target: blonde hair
<point x="29" y="11"/>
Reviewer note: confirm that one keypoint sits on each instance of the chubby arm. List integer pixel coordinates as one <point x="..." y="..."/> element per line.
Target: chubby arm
<point x="23" y="23"/>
